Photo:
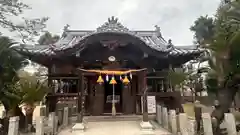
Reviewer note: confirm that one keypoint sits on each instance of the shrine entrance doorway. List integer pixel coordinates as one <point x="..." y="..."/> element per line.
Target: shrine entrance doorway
<point x="113" y="94"/>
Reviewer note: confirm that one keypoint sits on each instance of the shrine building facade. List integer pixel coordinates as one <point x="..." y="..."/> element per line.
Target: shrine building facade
<point x="109" y="69"/>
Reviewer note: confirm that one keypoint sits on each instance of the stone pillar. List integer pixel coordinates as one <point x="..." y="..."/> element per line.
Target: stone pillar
<point x="60" y="115"/>
<point x="55" y="126"/>
<point x="173" y="121"/>
<point x="207" y="124"/>
<point x="183" y="123"/>
<point x="65" y="116"/>
<point x="165" y="118"/>
<point x="230" y="123"/>
<point x="70" y="112"/>
<point x="191" y="127"/>
<point x="51" y="121"/>
<point x="159" y="114"/>
<point x="40" y="125"/>
<point x="13" y="126"/>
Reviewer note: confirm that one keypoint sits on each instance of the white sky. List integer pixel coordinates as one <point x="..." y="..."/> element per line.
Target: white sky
<point x="173" y="16"/>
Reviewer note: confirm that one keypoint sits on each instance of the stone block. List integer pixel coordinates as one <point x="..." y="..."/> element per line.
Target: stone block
<point x="191" y="127"/>
<point x="55" y="128"/>
<point x="65" y="116"/>
<point x="183" y="123"/>
<point x="207" y="124"/>
<point x="146" y="126"/>
<point x="78" y="128"/>
<point x="40" y="125"/>
<point x="13" y="126"/>
<point x="51" y="121"/>
<point x="159" y="114"/>
<point x="230" y="123"/>
<point x="165" y="118"/>
<point x="173" y="121"/>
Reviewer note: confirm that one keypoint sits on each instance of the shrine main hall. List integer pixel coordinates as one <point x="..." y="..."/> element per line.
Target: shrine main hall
<point x="111" y="70"/>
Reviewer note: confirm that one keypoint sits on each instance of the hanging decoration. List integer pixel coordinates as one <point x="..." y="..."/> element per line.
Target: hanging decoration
<point x="120" y="77"/>
<point x="100" y="80"/>
<point x="113" y="81"/>
<point x="113" y="73"/>
<point x="107" y="78"/>
<point x="125" y="80"/>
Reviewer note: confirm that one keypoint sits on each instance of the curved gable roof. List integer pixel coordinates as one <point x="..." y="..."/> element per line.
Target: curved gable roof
<point x="71" y="38"/>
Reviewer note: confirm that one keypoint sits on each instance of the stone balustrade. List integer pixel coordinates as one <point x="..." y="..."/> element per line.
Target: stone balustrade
<point x="44" y="125"/>
<point x="183" y="125"/>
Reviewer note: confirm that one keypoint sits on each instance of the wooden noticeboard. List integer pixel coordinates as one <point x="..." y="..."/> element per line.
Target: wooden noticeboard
<point x="151" y="104"/>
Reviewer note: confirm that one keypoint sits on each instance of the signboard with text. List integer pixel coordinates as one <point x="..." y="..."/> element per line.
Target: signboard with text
<point x="151" y="104"/>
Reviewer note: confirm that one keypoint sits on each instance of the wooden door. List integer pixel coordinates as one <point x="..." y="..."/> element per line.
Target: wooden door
<point x="129" y="97"/>
<point x="108" y="88"/>
<point x="96" y="97"/>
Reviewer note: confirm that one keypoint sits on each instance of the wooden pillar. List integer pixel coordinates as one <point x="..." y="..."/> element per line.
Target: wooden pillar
<point x="145" y="124"/>
<point x="144" y="90"/>
<point x="98" y="101"/>
<point x="170" y="87"/>
<point x="79" y="127"/>
<point x="51" y="99"/>
<point x="80" y="98"/>
<point x="49" y="78"/>
<point x="139" y="93"/>
<point x="127" y="99"/>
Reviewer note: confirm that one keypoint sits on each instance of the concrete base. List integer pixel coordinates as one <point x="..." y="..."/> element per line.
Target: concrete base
<point x="146" y="126"/>
<point x="147" y="132"/>
<point x="78" y="128"/>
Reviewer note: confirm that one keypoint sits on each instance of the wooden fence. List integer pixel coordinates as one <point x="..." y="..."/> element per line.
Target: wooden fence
<point x="181" y="124"/>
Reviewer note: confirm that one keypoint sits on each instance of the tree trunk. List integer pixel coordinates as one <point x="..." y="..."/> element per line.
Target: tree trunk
<point x="225" y="98"/>
<point x="18" y="112"/>
<point x="28" y="122"/>
<point x="29" y="109"/>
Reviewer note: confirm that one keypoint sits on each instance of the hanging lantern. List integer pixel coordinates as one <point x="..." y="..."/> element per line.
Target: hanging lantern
<point x="125" y="80"/>
<point x="107" y="79"/>
<point x="113" y="81"/>
<point x="100" y="79"/>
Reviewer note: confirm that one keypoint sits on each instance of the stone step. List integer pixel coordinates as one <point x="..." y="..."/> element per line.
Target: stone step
<point x="113" y="118"/>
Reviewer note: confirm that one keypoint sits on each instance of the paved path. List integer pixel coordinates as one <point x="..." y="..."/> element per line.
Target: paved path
<point x="114" y="128"/>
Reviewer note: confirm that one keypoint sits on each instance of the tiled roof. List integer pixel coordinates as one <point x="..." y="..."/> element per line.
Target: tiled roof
<point x="74" y="37"/>
<point x="184" y="50"/>
<point x="70" y="38"/>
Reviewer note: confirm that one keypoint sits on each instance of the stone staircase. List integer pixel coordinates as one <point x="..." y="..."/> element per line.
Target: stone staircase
<point x="113" y="118"/>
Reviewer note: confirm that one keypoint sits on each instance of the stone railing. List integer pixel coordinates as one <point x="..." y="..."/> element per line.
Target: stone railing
<point x="181" y="124"/>
<point x="45" y="125"/>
